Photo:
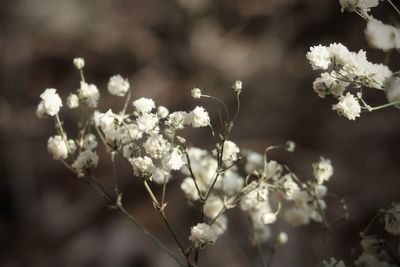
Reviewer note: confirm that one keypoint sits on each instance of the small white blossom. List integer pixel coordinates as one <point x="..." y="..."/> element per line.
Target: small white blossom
<point x="213" y="207"/>
<point x="155" y="146"/>
<point x="79" y="63"/>
<point x="177" y="119"/>
<point x="220" y="225"/>
<point x="117" y="85"/>
<point x="89" y="141"/>
<point x="159" y="176"/>
<point x="289" y="186"/>
<point x="142" y="166"/>
<point x="89" y="94"/>
<point x="72" y="101"/>
<point x="231" y="182"/>
<point x="57" y="147"/>
<point x="162" y="112"/>
<point x="173" y="160"/>
<point x="202" y="234"/>
<point x="268" y="218"/>
<point x="328" y="84"/>
<point x="323" y="170"/>
<point x="50" y="104"/>
<point x="348" y="106"/>
<point x="392" y="220"/>
<point x="237" y="86"/>
<point x="282" y="238"/>
<point x="319" y="57"/>
<point x="144" y="105"/>
<point x="392" y="90"/>
<point x="196" y="93"/>
<point x="230" y="151"/>
<point x="147" y="122"/>
<point x="362" y="7"/>
<point x="199" y="117"/>
<point x="189" y="188"/>
<point x="86" y="160"/>
<point x="382" y="36"/>
<point x="72" y="146"/>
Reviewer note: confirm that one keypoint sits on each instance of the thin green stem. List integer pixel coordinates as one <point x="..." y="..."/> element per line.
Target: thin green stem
<point x="368" y="108"/>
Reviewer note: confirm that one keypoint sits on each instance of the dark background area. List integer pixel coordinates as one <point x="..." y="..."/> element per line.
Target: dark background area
<point x="165" y="48"/>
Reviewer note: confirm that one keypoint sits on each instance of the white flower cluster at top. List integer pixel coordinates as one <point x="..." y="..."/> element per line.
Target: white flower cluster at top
<point x="344" y="69"/>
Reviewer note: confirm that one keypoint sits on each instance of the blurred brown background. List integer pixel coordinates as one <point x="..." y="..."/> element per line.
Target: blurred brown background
<point x="165" y="48"/>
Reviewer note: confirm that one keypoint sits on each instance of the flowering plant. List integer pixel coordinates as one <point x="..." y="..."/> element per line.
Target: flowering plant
<point x="151" y="140"/>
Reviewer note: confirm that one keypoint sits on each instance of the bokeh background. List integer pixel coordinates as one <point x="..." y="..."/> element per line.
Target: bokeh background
<point x="165" y="48"/>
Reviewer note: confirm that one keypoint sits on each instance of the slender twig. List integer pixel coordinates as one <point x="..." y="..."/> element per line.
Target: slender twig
<point x="395" y="8"/>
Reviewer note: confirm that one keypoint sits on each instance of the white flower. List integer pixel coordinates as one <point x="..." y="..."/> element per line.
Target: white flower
<point x="328" y="84"/>
<point x="57" y="147"/>
<point x="237" y="86"/>
<point x="392" y="220"/>
<point x="199" y="117"/>
<point x="230" y="151"/>
<point x="289" y="186"/>
<point x="155" y="146"/>
<point x="339" y="53"/>
<point x="50" y="104"/>
<point x="110" y="125"/>
<point x="72" y="146"/>
<point x="173" y="160"/>
<point x="142" y="166"/>
<point x="72" y="101"/>
<point x="79" y="63"/>
<point x="333" y="263"/>
<point x="268" y="218"/>
<point x="189" y="188"/>
<point x="86" y="160"/>
<point x="348" y="106"/>
<point x="382" y="36"/>
<point x="202" y="234"/>
<point x="231" y="182"/>
<point x="254" y="162"/>
<point x="117" y="85"/>
<point x="196" y="93"/>
<point x="323" y="170"/>
<point x="360" y="6"/>
<point x="159" y="176"/>
<point x="89" y="94"/>
<point x="220" y="225"/>
<point x="162" y="112"/>
<point x="213" y="207"/>
<point x="254" y="199"/>
<point x="392" y="90"/>
<point x="147" y="122"/>
<point x="177" y="119"/>
<point x="319" y="57"/>
<point x="144" y="105"/>
<point x="283" y="238"/>
<point x="89" y="141"/>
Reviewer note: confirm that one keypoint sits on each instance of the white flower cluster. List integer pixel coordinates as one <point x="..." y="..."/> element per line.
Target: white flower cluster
<point x="362" y="7"/>
<point x="343" y="68"/>
<point x="50" y="104"/>
<point x="308" y="199"/>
